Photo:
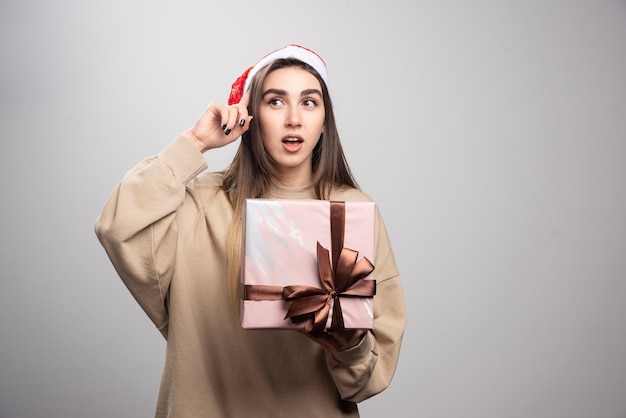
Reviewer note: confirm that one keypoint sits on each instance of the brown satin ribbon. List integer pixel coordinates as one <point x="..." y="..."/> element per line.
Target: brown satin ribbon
<point x="342" y="278"/>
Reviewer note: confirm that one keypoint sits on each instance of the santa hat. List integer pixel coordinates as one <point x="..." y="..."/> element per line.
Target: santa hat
<point x="242" y="84"/>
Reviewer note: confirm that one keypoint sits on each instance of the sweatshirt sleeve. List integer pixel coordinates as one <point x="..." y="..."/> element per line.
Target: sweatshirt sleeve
<point x="137" y="224"/>
<point x="367" y="369"/>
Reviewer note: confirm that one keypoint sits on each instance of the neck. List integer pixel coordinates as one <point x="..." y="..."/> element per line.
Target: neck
<point x="289" y="178"/>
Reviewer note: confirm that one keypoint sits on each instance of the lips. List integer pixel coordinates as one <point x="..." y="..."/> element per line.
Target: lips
<point x="292" y="143"/>
<point x="293" y="140"/>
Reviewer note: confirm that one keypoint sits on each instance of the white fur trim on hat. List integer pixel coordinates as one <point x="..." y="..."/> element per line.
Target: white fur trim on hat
<point x="290" y="51"/>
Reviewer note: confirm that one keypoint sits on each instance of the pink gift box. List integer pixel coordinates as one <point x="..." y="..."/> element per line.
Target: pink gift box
<point x="288" y="244"/>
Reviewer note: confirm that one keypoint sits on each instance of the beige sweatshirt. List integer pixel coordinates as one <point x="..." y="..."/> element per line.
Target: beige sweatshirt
<point x="165" y="229"/>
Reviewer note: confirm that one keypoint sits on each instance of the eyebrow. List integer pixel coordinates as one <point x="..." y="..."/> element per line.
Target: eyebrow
<point x="280" y="92"/>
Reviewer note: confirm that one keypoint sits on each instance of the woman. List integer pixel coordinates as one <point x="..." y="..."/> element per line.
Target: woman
<point x="173" y="232"/>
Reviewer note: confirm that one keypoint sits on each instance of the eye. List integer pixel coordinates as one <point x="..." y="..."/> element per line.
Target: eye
<point x="308" y="102"/>
<point x="275" y="101"/>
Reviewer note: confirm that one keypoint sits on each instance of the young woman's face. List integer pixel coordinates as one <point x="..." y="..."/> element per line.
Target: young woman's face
<point x="291" y="117"/>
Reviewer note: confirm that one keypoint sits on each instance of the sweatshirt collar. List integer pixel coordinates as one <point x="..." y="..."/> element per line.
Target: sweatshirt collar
<point x="285" y="192"/>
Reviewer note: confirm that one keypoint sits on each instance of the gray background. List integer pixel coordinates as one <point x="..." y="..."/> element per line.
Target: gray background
<point x="492" y="135"/>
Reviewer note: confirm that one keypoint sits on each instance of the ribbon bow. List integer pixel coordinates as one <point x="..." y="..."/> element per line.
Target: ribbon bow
<point x="312" y="305"/>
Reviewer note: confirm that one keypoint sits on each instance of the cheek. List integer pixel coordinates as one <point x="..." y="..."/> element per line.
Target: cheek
<point x="268" y="121"/>
<point x="322" y="120"/>
<point x="263" y="125"/>
<point x="322" y="125"/>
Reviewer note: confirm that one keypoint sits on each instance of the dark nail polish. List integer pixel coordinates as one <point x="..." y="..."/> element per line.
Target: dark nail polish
<point x="223" y="126"/>
<point x="242" y="122"/>
<point x="227" y="131"/>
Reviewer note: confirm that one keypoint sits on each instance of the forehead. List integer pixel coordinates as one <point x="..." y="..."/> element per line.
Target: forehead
<point x="291" y="79"/>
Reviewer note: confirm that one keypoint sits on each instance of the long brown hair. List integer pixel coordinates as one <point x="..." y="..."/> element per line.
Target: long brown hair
<point x="251" y="172"/>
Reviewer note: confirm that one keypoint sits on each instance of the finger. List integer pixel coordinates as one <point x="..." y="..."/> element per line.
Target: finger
<point x="228" y="123"/>
<point x="245" y="100"/>
<point x="238" y="120"/>
<point x="242" y="126"/>
<point x="223" y="112"/>
<point x="242" y="116"/>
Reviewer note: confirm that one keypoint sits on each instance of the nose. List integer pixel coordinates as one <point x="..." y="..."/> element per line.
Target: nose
<point x="293" y="117"/>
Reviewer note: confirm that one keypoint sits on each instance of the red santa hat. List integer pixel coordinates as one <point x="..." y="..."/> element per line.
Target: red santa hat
<point x="242" y="84"/>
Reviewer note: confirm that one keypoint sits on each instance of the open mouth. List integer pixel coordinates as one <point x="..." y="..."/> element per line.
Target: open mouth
<point x="292" y="141"/>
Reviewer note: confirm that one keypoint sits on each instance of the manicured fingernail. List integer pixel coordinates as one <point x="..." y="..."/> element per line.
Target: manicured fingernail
<point x="242" y="122"/>
<point x="223" y="126"/>
<point x="227" y="131"/>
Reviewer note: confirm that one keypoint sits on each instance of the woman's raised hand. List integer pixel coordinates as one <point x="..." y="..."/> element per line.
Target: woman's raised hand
<point x="219" y="125"/>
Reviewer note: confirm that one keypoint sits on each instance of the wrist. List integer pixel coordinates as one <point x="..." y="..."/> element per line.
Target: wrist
<point x="193" y="139"/>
